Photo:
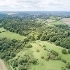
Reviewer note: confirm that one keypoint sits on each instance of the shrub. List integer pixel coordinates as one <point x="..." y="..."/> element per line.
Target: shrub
<point x="69" y="51"/>
<point x="44" y="46"/>
<point x="37" y="50"/>
<point x="7" y="58"/>
<point x="62" y="68"/>
<point x="34" y="61"/>
<point x="54" y="52"/>
<point x="68" y="65"/>
<point x="63" y="60"/>
<point x="15" y="64"/>
<point x="42" y="57"/>
<point x="21" y="67"/>
<point x="58" y="58"/>
<point x="43" y="38"/>
<point x="47" y="59"/>
<point x="12" y="54"/>
<point x="0" y="32"/>
<point x="23" y="60"/>
<point x="53" y="39"/>
<point x="29" y="46"/>
<point x="64" y="51"/>
<point x="57" y="43"/>
<point x="52" y="56"/>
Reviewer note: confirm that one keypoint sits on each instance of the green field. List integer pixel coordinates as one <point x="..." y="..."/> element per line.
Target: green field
<point x="10" y="35"/>
<point x="42" y="63"/>
<point x="51" y="64"/>
<point x="56" y="23"/>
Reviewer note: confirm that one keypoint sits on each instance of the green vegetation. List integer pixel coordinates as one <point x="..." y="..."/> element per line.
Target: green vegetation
<point x="35" y="44"/>
<point x="9" y="50"/>
<point x="69" y="51"/>
<point x="64" y="51"/>
<point x="10" y="35"/>
<point x="68" y="65"/>
<point x="55" y="53"/>
<point x="57" y="23"/>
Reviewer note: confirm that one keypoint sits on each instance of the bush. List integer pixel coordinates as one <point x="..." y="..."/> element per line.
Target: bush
<point x="52" y="56"/>
<point x="12" y="54"/>
<point x="45" y="49"/>
<point x="63" y="60"/>
<point x="7" y="58"/>
<point x="44" y="46"/>
<point x="15" y="64"/>
<point x="58" y="58"/>
<point x="47" y="59"/>
<point x="29" y="46"/>
<point x="64" y="51"/>
<point x="53" y="39"/>
<point x="21" y="67"/>
<point x="34" y="61"/>
<point x="42" y="57"/>
<point x="62" y="68"/>
<point x="57" y="43"/>
<point x="69" y="51"/>
<point x="68" y="65"/>
<point x="54" y="52"/>
<point x="43" y="38"/>
<point x="37" y="50"/>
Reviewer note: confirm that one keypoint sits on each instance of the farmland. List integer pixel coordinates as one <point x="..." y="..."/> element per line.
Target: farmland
<point x="66" y="21"/>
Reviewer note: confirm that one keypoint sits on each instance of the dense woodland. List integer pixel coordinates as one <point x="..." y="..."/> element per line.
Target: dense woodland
<point x="59" y="34"/>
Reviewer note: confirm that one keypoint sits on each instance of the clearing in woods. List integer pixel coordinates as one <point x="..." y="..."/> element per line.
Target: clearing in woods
<point x="10" y="35"/>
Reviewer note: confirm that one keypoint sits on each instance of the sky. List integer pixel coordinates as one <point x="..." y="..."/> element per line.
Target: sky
<point x="34" y="5"/>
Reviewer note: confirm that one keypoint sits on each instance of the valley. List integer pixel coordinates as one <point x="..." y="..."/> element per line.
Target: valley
<point x="34" y="42"/>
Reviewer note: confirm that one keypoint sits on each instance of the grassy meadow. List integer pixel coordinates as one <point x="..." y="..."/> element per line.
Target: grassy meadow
<point x="10" y="35"/>
<point x="51" y="64"/>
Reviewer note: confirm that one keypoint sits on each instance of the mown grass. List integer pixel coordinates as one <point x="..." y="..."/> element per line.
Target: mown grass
<point x="10" y="35"/>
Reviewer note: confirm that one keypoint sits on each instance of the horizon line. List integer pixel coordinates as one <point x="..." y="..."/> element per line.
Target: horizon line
<point x="32" y="11"/>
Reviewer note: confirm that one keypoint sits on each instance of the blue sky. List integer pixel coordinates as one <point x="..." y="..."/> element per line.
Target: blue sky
<point x="34" y="5"/>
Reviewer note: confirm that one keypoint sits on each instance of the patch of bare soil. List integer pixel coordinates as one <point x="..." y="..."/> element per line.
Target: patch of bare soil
<point x="2" y="65"/>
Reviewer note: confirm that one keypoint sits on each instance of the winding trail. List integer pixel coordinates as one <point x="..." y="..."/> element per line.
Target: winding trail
<point x="2" y="65"/>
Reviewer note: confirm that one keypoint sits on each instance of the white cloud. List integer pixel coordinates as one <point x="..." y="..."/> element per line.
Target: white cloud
<point x="43" y="5"/>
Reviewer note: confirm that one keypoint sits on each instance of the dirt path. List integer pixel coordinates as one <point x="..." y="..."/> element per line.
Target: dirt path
<point x="2" y="65"/>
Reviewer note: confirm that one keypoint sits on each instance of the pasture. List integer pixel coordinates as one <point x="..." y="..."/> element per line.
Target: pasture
<point x="10" y="35"/>
<point x="51" y="64"/>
